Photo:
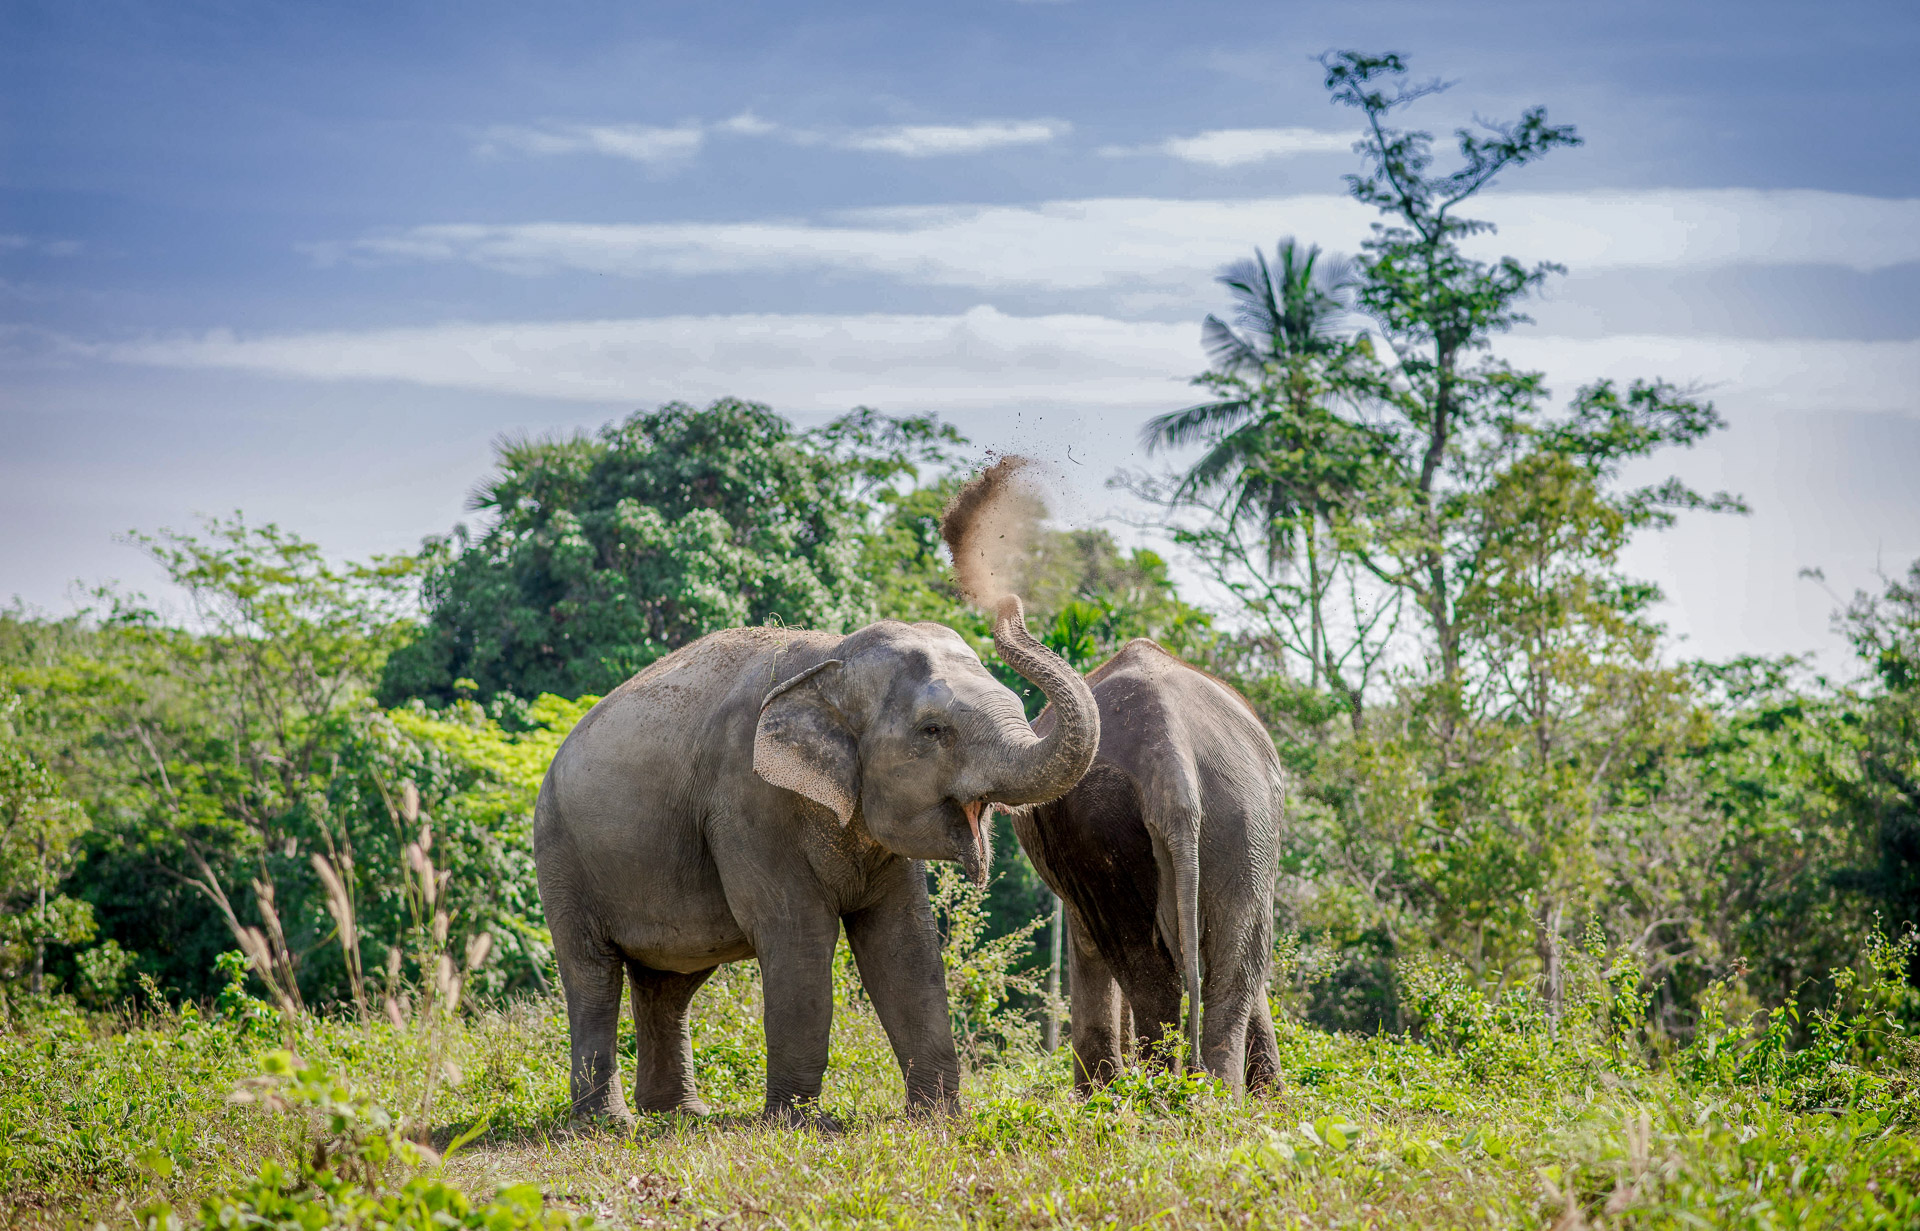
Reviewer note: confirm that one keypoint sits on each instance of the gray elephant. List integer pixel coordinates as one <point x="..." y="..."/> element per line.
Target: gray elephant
<point x="1165" y="856"/>
<point x="748" y="794"/>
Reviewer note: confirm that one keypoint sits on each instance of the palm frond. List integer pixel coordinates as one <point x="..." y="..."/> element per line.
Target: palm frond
<point x="1216" y="467"/>
<point x="1196" y="423"/>
<point x="1226" y="349"/>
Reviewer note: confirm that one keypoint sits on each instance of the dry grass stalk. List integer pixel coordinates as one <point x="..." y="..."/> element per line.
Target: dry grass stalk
<point x="276" y="970"/>
<point x="340" y="907"/>
<point x="259" y="951"/>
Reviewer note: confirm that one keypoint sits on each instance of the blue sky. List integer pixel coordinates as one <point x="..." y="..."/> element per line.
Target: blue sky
<point x="309" y="261"/>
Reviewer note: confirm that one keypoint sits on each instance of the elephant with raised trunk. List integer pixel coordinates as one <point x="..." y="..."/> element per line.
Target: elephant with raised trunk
<point x="747" y="795"/>
<point x="1164" y="855"/>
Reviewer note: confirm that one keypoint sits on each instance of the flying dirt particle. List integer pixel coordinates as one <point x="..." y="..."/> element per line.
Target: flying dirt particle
<point x="989" y="528"/>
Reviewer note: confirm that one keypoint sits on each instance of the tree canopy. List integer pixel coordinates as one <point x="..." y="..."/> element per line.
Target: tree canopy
<point x="601" y="553"/>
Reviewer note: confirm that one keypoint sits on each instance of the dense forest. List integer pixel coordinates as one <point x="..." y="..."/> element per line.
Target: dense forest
<point x="1414" y="550"/>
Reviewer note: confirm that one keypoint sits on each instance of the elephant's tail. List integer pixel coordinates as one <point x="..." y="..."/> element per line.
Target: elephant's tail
<point x="1173" y="814"/>
<point x="1186" y="889"/>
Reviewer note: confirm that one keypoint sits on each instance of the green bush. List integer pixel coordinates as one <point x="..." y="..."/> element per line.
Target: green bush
<point x="352" y="1174"/>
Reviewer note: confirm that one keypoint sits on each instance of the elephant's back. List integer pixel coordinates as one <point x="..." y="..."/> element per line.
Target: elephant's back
<point x="655" y="744"/>
<point x="681" y="693"/>
<point x="1184" y="733"/>
<point x="1148" y="696"/>
<point x="1092" y="847"/>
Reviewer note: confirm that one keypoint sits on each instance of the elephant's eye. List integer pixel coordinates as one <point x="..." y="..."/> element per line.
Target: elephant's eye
<point x="932" y="730"/>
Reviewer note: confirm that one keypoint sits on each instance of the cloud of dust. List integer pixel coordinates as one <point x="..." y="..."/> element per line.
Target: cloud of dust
<point x="989" y="527"/>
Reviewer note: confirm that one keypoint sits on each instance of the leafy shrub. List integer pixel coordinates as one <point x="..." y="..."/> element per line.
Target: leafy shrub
<point x="101" y="973"/>
<point x="1855" y="1052"/>
<point x="347" y="1177"/>
<point x="245" y="1012"/>
<point x="1017" y="1125"/>
<point x="984" y="973"/>
<point x="1154" y="1091"/>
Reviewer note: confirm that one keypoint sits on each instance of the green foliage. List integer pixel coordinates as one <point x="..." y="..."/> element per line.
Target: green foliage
<point x="234" y="776"/>
<point x="1879" y="792"/>
<point x="983" y="967"/>
<point x="101" y="973"/>
<point x="346" y="1180"/>
<point x="40" y="829"/>
<point x="1395" y="1130"/>
<point x="1860" y="1050"/>
<point x="1156" y="1090"/>
<point x="1017" y="1125"/>
<point x="603" y="553"/>
<point x="246" y="1013"/>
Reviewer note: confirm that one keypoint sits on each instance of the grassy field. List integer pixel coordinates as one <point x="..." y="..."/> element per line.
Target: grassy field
<point x="1496" y="1119"/>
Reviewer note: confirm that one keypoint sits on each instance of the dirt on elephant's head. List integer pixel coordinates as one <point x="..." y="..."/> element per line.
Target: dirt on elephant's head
<point x="989" y="527"/>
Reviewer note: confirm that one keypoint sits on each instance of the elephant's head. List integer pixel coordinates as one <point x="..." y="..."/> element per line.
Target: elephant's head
<point x="904" y="727"/>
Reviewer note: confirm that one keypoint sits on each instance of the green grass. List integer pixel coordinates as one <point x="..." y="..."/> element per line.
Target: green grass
<point x="1509" y="1124"/>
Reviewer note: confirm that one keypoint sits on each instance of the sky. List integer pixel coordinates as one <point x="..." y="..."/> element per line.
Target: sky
<point x="312" y="261"/>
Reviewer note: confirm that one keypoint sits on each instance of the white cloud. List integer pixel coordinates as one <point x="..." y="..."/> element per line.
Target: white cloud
<point x="1068" y="245"/>
<point x="658" y="145"/>
<point x="637" y="142"/>
<point x="1136" y="244"/>
<point x="930" y="140"/>
<point x="1234" y="147"/>
<point x="43" y="247"/>
<point x="1619" y="229"/>
<point x="747" y="124"/>
<point x="982" y="357"/>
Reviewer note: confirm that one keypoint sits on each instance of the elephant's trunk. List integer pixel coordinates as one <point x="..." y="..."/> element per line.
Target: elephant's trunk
<point x="1052" y="764"/>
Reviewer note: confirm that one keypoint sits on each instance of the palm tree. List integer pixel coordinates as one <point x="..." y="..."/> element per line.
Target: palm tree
<point x="1279" y="460"/>
<point x="1275" y="378"/>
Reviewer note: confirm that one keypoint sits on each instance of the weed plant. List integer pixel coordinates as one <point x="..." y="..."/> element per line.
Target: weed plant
<point x="1490" y="1112"/>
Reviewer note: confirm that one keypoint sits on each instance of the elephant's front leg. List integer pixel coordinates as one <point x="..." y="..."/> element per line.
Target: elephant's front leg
<point x="897" y="947"/>
<point x="795" y="947"/>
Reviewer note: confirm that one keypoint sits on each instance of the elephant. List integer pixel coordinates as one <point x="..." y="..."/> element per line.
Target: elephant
<point x="1164" y="856"/>
<point x="751" y="792"/>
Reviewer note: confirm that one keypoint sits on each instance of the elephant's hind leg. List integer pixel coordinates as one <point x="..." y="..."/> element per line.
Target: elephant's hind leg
<point x="1238" y="1029"/>
<point x="1099" y="1012"/>
<point x="1263" y="1050"/>
<point x="591" y="977"/>
<point x="663" y="1030"/>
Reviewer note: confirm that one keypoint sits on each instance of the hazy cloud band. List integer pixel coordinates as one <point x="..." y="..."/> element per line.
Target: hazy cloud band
<point x="979" y="358"/>
<point x="1130" y="242"/>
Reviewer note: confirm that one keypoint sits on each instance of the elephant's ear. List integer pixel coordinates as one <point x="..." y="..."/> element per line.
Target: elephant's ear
<point x="804" y="745"/>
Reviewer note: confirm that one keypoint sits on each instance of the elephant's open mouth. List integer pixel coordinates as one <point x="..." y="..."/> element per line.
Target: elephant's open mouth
<point x="976" y="847"/>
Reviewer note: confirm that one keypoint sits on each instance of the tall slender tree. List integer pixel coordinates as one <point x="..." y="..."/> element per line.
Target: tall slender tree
<point x="1438" y="309"/>
<point x="1282" y="466"/>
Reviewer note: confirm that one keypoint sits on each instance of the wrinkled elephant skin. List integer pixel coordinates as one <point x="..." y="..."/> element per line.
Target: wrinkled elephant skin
<point x="1165" y="856"/>
<point x="750" y="793"/>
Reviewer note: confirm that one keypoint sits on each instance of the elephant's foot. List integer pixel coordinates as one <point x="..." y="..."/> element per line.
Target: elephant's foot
<point x="599" y="1120"/>
<point x="693" y="1108"/>
<point x="802" y="1115"/>
<point x="945" y="1109"/>
<point x="942" y="1105"/>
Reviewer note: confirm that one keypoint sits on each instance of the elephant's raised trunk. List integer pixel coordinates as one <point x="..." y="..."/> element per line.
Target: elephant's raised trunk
<point x="1053" y="763"/>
